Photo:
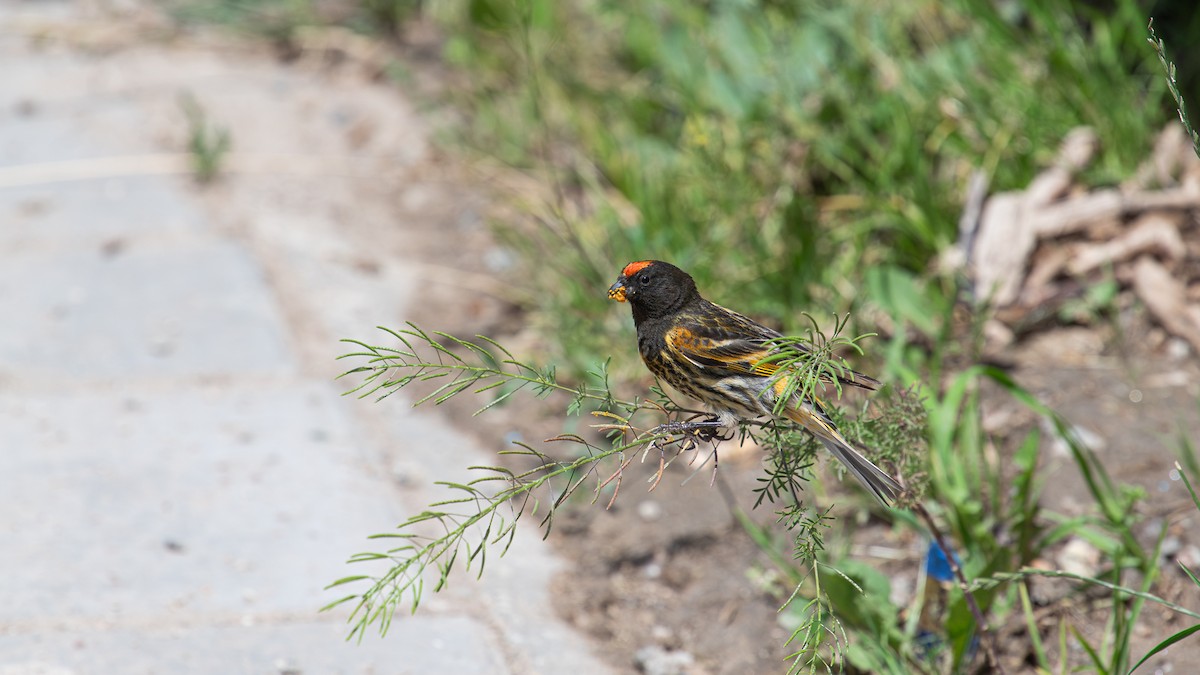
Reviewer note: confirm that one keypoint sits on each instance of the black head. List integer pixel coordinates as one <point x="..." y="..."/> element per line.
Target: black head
<point x="654" y="289"/>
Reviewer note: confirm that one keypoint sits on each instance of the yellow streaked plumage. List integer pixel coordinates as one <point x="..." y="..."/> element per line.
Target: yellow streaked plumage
<point x="720" y="358"/>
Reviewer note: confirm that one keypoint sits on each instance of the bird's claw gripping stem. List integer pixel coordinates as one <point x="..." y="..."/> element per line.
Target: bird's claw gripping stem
<point x="703" y="430"/>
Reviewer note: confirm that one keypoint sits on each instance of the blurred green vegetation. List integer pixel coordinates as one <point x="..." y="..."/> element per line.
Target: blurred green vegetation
<point x="279" y="20"/>
<point x="813" y="156"/>
<point x="791" y="155"/>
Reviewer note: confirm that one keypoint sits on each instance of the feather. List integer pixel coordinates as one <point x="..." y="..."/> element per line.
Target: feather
<point x="740" y="346"/>
<point x="729" y="362"/>
<point x="878" y="483"/>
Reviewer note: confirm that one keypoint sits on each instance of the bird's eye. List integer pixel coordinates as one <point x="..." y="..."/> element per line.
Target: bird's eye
<point x="644" y="280"/>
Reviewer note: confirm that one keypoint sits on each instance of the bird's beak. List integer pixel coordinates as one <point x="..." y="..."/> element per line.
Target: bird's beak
<point x="617" y="290"/>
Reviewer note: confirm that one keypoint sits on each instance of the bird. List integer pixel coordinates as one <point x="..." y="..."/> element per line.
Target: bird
<point x="723" y="359"/>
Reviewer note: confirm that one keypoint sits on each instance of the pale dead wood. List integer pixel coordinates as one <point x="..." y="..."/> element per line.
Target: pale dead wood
<point x="1166" y="298"/>
<point x="1040" y="248"/>
<point x="1002" y="249"/>
<point x="1074" y="215"/>
<point x="1155" y="232"/>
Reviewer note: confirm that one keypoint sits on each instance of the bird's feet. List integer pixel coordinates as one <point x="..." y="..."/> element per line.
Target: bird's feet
<point x="709" y="429"/>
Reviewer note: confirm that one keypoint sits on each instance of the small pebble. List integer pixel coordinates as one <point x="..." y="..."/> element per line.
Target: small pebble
<point x="1079" y="557"/>
<point x="1177" y="349"/>
<point x="1170" y="546"/>
<point x="1189" y="556"/>
<point x="404" y="474"/>
<point x="654" y="660"/>
<point x="649" y="510"/>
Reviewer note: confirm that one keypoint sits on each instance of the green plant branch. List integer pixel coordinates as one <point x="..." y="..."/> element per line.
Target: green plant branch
<point x="1160" y="48"/>
<point x="471" y="521"/>
<point x="409" y="561"/>
<point x="382" y="361"/>
<point x="983" y="583"/>
<point x="808" y="363"/>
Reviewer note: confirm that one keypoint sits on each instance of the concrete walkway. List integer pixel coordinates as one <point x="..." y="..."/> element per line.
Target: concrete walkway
<point x="179" y="474"/>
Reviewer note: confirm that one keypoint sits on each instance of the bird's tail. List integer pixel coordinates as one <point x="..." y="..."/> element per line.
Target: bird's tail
<point x="878" y="483"/>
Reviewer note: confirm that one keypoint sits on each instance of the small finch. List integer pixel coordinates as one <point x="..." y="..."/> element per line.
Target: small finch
<point x="716" y="356"/>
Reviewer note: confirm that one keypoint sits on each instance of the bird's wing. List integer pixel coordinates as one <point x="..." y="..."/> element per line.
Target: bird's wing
<point x="726" y="340"/>
<point x="736" y="355"/>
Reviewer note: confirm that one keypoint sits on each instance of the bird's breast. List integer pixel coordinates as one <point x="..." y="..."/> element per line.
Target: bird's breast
<point x="651" y="340"/>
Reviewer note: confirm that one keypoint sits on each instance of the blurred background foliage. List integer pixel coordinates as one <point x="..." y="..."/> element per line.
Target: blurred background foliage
<point x="793" y="155"/>
<point x="809" y="156"/>
<point x="790" y="154"/>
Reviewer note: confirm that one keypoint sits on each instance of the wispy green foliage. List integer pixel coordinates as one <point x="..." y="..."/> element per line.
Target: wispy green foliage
<point x="457" y="365"/>
<point x="1162" y="646"/>
<point x="809" y="365"/>
<point x="482" y="514"/>
<point x="1168" y="65"/>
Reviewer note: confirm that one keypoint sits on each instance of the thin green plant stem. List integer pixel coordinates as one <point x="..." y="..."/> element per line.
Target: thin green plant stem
<point x="1035" y="639"/>
<point x="987" y="638"/>
<point x="983" y="583"/>
<point x="1188" y="483"/>
<point x="386" y="591"/>
<point x="1160" y="48"/>
<point x="758" y="534"/>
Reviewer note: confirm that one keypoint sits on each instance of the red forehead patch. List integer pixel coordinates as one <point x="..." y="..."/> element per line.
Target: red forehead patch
<point x="635" y="267"/>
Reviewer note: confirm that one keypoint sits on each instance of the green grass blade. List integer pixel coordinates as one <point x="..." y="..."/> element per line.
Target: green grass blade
<point x="1160" y="647"/>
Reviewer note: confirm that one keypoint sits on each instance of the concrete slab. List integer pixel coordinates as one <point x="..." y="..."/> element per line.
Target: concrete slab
<point x="178" y="477"/>
<point x="131" y="502"/>
<point x="419" y="645"/>
<point x="93" y="213"/>
<point x="514" y="586"/>
<point x="195" y="309"/>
